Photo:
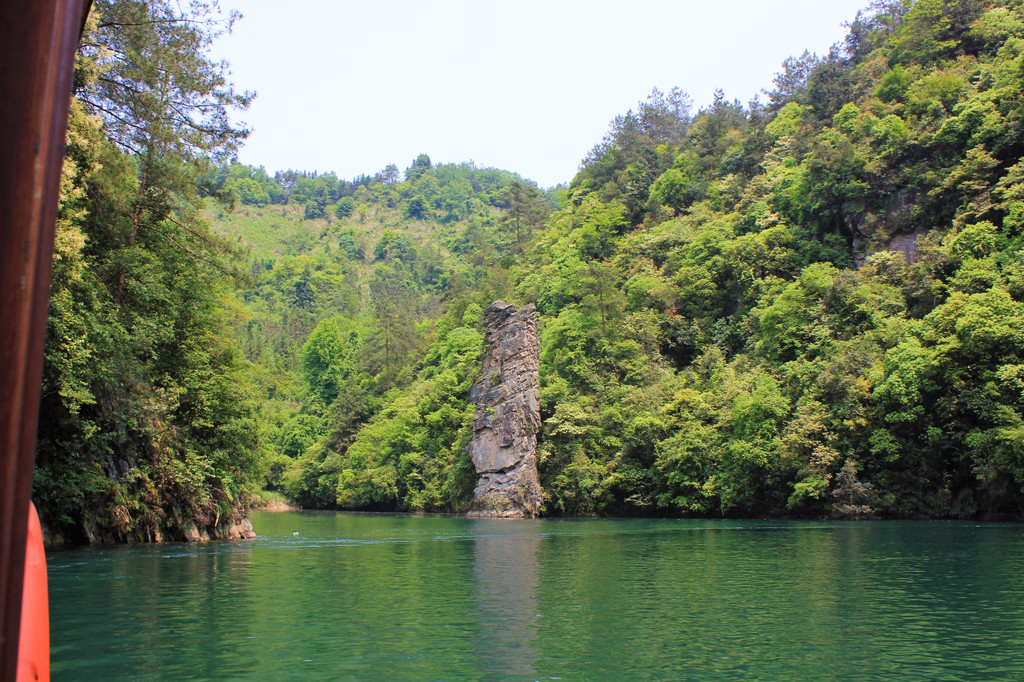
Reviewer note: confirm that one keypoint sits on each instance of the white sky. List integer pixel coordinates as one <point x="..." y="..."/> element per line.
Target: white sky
<point x="529" y="86"/>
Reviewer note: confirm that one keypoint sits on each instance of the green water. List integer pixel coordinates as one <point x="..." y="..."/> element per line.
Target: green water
<point x="323" y="596"/>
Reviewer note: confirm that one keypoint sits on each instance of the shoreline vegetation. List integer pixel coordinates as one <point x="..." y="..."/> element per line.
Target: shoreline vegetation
<point x="807" y="306"/>
<point x="275" y="505"/>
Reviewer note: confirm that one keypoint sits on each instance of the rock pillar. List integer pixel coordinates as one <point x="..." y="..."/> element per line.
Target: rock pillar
<point x="507" y="419"/>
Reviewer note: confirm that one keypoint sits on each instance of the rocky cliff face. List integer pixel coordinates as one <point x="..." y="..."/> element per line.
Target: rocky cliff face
<point x="233" y="527"/>
<point x="890" y="229"/>
<point x="507" y="419"/>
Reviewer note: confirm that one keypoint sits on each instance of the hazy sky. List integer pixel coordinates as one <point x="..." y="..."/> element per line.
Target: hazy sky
<point x="525" y="85"/>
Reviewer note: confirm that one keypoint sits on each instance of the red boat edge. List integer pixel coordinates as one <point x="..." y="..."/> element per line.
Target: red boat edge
<point x="34" y="644"/>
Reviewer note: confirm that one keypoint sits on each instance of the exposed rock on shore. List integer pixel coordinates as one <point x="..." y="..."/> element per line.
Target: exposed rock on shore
<point x="235" y="527"/>
<point x="507" y="419"/>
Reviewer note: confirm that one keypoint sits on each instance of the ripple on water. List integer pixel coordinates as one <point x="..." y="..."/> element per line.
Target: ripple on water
<point x="431" y="597"/>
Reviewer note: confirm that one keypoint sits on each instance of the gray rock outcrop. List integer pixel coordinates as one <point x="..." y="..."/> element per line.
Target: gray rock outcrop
<point x="507" y="418"/>
<point x="888" y="229"/>
<point x="233" y="527"/>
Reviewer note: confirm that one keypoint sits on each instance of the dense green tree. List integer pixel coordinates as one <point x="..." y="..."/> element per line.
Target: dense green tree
<point x="148" y="425"/>
<point x="808" y="308"/>
<point x="417" y="208"/>
<point x="420" y="165"/>
<point x="345" y="207"/>
<point x="394" y="334"/>
<point x="525" y="210"/>
<point x="792" y="83"/>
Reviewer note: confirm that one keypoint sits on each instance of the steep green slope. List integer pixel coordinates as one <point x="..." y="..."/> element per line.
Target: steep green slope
<point x="808" y="307"/>
<point x="363" y="315"/>
<point x="724" y="357"/>
<point x="149" y="415"/>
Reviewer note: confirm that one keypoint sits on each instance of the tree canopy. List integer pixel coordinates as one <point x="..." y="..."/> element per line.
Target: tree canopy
<point x="810" y="307"/>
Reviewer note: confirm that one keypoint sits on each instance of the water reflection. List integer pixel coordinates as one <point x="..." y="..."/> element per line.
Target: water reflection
<point x="507" y="608"/>
<point x="422" y="598"/>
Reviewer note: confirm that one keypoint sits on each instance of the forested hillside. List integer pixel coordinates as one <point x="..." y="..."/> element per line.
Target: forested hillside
<point x="149" y="412"/>
<point x="725" y="355"/>
<point x="811" y="305"/>
<point x="364" y="320"/>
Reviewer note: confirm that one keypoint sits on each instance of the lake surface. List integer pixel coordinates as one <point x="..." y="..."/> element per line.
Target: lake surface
<point x="331" y="596"/>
